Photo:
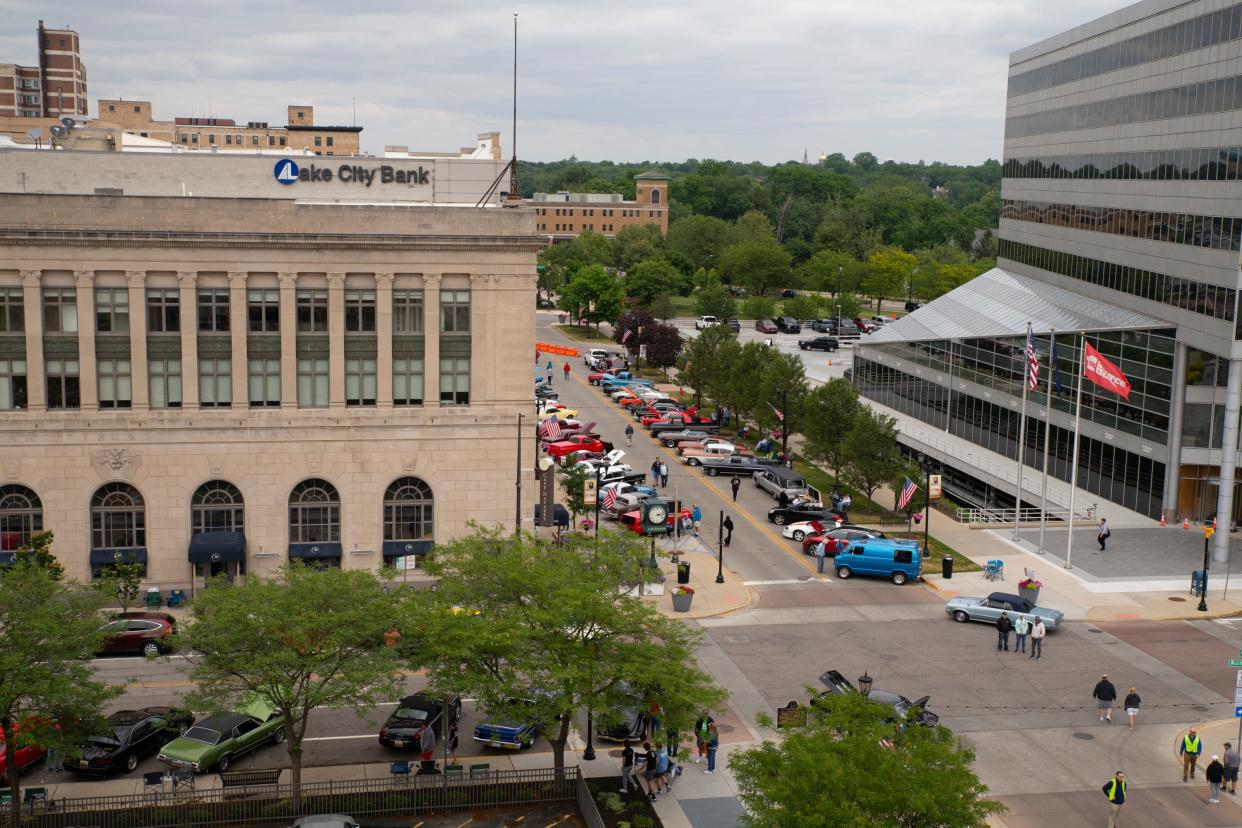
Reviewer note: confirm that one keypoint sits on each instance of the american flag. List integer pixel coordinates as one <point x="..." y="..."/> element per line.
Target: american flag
<point x="907" y="494"/>
<point x="626" y="336"/>
<point x="777" y="412"/>
<point x="551" y="428"/>
<point x="1032" y="360"/>
<point x="610" y="498"/>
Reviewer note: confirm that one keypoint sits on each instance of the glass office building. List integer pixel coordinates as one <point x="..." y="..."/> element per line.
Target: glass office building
<point x="1121" y="219"/>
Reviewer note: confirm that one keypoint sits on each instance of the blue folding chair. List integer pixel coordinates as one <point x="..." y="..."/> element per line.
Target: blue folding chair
<point x="400" y="770"/>
<point x="994" y="570"/>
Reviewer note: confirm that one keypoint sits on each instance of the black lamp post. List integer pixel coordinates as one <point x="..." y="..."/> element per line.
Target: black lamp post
<point x="589" y="753"/>
<point x="925" y="464"/>
<point x="598" y="472"/>
<point x="864" y="684"/>
<point x="720" y="552"/>
<point x="1207" y="536"/>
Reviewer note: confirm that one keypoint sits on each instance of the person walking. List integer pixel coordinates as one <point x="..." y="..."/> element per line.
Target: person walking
<point x="663" y="475"/>
<point x="1038" y="631"/>
<point x="1191" y="748"/>
<point x="661" y="768"/>
<point x="1132" y="704"/>
<point x="735" y="484"/>
<point x="820" y="554"/>
<point x="1215" y="774"/>
<point x="629" y="434"/>
<point x="701" y="725"/>
<point x="1105" y="695"/>
<point x="713" y="742"/>
<point x="566" y="370"/>
<point x="649" y="770"/>
<point x="1103" y="534"/>
<point x="627" y="768"/>
<point x="1021" y="626"/>
<point x="1232" y="762"/>
<point x="1003" y="626"/>
<point x="426" y="748"/>
<point x="655" y="472"/>
<point x="1115" y="790"/>
<point x="696" y="515"/>
<point x="548" y="371"/>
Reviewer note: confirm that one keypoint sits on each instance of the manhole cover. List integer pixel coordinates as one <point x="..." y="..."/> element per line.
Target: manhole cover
<point x="1177" y="598"/>
<point x="1086" y="737"/>
<point x="1094" y="630"/>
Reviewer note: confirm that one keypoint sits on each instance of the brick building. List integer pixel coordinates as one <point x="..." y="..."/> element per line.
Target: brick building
<point x="562" y="216"/>
<point x="52" y="89"/>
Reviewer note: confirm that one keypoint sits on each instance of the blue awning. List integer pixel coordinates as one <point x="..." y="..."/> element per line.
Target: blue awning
<point x="218" y="547"/>
<point x="314" y="551"/>
<point x="107" y="557"/>
<point x="400" y="549"/>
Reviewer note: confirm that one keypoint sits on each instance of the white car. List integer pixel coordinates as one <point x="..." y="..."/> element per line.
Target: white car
<point x="798" y="531"/>
<point x="705" y="322"/>
<point x="610" y="459"/>
<point x="595" y="353"/>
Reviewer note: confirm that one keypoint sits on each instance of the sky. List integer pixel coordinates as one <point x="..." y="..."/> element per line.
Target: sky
<point x="639" y="80"/>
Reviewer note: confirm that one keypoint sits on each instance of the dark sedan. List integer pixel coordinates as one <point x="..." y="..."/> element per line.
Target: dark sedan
<point x="734" y="325"/>
<point x="401" y="729"/>
<point x="148" y="633"/>
<point x="132" y="735"/>
<point x="632" y="727"/>
<point x="780" y="515"/>
<point x="819" y="343"/>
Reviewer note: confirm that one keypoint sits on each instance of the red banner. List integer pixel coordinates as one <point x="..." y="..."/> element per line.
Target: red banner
<point x="1104" y="374"/>
<point x="549" y="348"/>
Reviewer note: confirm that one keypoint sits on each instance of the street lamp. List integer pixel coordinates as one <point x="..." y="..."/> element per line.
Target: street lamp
<point x="598" y="474"/>
<point x="925" y="464"/>
<point x="864" y="684"/>
<point x="1208" y="531"/>
<point x="588" y="754"/>
<point x="720" y="552"/>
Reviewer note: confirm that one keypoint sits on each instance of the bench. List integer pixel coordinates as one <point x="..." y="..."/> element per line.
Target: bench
<point x="247" y="778"/>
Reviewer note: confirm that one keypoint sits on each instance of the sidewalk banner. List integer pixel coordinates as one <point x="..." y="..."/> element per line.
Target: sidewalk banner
<point x="563" y="350"/>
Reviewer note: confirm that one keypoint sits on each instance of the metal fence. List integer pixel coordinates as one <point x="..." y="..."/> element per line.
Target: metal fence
<point x="403" y="796"/>
<point x="1027" y="515"/>
<point x="587" y="809"/>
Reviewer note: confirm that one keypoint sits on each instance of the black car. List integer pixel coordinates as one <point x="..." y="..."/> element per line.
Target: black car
<point x="819" y="343"/>
<point x="735" y="464"/>
<point x="401" y="729"/>
<point x="131" y="736"/>
<point x="913" y="711"/>
<point x="793" y="513"/>
<point x="786" y="324"/>
<point x="661" y="427"/>
<point x="734" y="325"/>
<point x="632" y="727"/>
<point x="911" y="307"/>
<point x="825" y="326"/>
<point x="544" y="391"/>
<point x="788" y="293"/>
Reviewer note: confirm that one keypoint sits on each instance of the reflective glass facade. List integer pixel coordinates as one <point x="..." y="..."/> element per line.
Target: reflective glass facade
<point x="1194" y="164"/>
<point x="1214" y="232"/>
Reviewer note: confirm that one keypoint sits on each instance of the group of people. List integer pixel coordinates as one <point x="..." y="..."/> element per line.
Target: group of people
<point x="659" y="473"/>
<point x="659" y="764"/>
<point x="1022" y="628"/>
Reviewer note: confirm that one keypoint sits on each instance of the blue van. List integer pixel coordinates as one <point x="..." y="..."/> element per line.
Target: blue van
<point x="899" y="560"/>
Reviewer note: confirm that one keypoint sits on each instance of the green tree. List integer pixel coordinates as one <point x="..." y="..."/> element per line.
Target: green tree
<point x="715" y="301"/>
<point x="866" y="161"/>
<point x="634" y="243"/>
<point x="753" y="226"/>
<point x="855" y="742"/>
<point x="38" y="551"/>
<point x="663" y="344"/>
<point x="653" y="277"/>
<point x="825" y="271"/>
<point x="304" y="639"/>
<point x="636" y="322"/>
<point x="829" y="413"/>
<point x="804" y="307"/>
<point x="121" y="582"/>
<point x="573" y="480"/>
<point x="781" y="389"/>
<point x="870" y="457"/>
<point x="758" y="307"/>
<point x="700" y="359"/>
<point x="662" y="307"/>
<point x="512" y="616"/>
<point x="701" y="239"/>
<point x="49" y="632"/>
<point x="759" y="266"/>
<point x="888" y="273"/>
<point x="594" y="294"/>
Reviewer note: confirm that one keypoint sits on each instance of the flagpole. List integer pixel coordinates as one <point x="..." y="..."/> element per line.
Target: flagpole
<point x="1026" y="385"/>
<point x="1082" y="371"/>
<point x="1043" y="488"/>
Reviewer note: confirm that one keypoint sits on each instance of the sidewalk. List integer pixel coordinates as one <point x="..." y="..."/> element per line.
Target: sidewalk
<point x="710" y="598"/>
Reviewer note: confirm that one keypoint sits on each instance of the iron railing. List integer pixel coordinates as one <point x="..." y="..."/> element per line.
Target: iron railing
<point x="1028" y="515"/>
<point x="587" y="809"/>
<point x="405" y="796"/>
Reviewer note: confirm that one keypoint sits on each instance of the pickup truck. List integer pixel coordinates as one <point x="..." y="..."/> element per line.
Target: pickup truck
<point x="623" y="379"/>
<point x="736" y="464"/>
<point x="705" y="322"/>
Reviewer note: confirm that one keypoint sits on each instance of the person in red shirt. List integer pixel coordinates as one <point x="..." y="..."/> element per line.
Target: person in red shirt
<point x="566" y="370"/>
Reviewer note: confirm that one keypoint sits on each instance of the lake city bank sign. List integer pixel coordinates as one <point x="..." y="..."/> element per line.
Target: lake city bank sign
<point x="288" y="172"/>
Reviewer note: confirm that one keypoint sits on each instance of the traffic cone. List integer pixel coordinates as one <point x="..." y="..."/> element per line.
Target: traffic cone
<point x="1162" y="521"/>
<point x="1186" y="523"/>
<point x="1213" y="524"/>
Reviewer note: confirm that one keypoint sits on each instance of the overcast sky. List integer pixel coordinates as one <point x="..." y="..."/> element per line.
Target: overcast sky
<point x="624" y="81"/>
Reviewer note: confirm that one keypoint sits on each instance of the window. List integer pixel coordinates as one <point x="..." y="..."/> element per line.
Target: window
<point x="318" y="141"/>
<point x="360" y="381"/>
<point x="215" y="383"/>
<point x="407" y="381"/>
<point x="455" y="381"/>
<point x="312" y="311"/>
<point x="228" y="139"/>
<point x="213" y="310"/>
<point x="455" y="311"/>
<point x="165" y="383"/>
<point x="60" y="310"/>
<point x="655" y="196"/>
<point x="282" y="140"/>
<point x="194" y="138"/>
<point x="114" y="383"/>
<point x="12" y="311"/>
<point x="217" y="506"/>
<point x="271" y="140"/>
<point x="264" y="383"/>
<point x="62" y="384"/>
<point x="211" y="138"/>
<point x="329" y="141"/>
<point x="360" y="311"/>
<point x="312" y="383"/>
<point x="408" y="511"/>
<point x="21" y="515"/>
<point x="118" y="518"/>
<point x="263" y="310"/>
<point x="12" y="384"/>
<point x="163" y="310"/>
<point x="314" y="513"/>
<point x="407" y="311"/>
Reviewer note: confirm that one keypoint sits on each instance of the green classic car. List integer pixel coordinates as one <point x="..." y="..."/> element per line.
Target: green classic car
<point x="217" y="740"/>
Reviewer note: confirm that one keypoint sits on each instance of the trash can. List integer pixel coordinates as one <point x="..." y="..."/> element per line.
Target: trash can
<point x="946" y="566"/>
<point x="683" y="572"/>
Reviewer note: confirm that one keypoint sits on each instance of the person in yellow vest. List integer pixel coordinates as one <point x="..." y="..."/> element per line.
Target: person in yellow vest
<point x="1190" y="749"/>
<point x="1115" y="790"/>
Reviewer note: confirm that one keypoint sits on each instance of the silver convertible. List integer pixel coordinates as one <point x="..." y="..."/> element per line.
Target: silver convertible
<point x="989" y="609"/>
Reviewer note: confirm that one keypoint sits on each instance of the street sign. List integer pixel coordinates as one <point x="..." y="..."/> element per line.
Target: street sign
<point x="1235" y="662"/>
<point x="1237" y="712"/>
<point x="589" y="493"/>
<point x="642" y="351"/>
<point x="933" y="490"/>
<point x="1237" y="695"/>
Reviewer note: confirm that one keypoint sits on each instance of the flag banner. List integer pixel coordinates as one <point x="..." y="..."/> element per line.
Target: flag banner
<point x="777" y="412"/>
<point x="1104" y="373"/>
<point x="1056" y="371"/>
<point x="625" y="337"/>
<point x="907" y="494"/>
<point x="549" y="348"/>
<point x="551" y="428"/>
<point x="1032" y="360"/>
<point x="610" y="498"/>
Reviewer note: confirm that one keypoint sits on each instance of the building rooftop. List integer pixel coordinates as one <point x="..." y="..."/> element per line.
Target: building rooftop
<point x="652" y="174"/>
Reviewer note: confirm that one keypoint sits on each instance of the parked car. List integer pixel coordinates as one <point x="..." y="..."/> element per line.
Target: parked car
<point x="148" y="633"/>
<point x="787" y="324"/>
<point x="736" y="464"/>
<point x="837" y="539"/>
<point x="560" y="412"/>
<point x="846" y="328"/>
<point x="400" y="728"/>
<point x="915" y="711"/>
<point x="788" y="293"/>
<point x="881" y="321"/>
<point x="795" y="512"/>
<point x="824" y="326"/>
<point x="214" y="742"/>
<point x="672" y="438"/>
<point x="898" y="560"/>
<point x="131" y="736"/>
<point x="633" y="520"/>
<point x="517" y="729"/>
<point x="734" y="325"/>
<point x="684" y="446"/>
<point x="705" y="322"/>
<point x="766" y="326"/>
<point x="911" y="307"/>
<point x="819" y="343"/>
<point x="592" y="355"/>
<point x="27" y="755"/>
<point x="778" y="481"/>
<point x="864" y="325"/>
<point x="545" y="392"/>
<point x="576" y="442"/>
<point x="682" y="422"/>
<point x="631" y="727"/>
<point x="987" y="610"/>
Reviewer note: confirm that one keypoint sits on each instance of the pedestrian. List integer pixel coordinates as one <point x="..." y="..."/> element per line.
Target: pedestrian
<point x="1191" y="748"/>
<point x="649" y="770"/>
<point x="664" y="767"/>
<point x="548" y="371"/>
<point x="1115" y="790"/>
<point x="1232" y="761"/>
<point x="1038" y="631"/>
<point x="54" y="762"/>
<point x="1132" y="704"/>
<point x="1215" y="774"/>
<point x="713" y="742"/>
<point x="1003" y="626"/>
<point x="782" y="499"/>
<point x="627" y="768"/>
<point x="735" y="484"/>
<point x="835" y="497"/>
<point x="426" y="748"/>
<point x="1021" y="626"/>
<point x="701" y="725"/>
<point x="728" y="530"/>
<point x="1105" y="695"/>
<point x="566" y="370"/>
<point x="820" y="554"/>
<point x="655" y="472"/>
<point x="629" y="434"/>
<point x="1104" y="533"/>
<point x="696" y="515"/>
<point x="663" y="475"/>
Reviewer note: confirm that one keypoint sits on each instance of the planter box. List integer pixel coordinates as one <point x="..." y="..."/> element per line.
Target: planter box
<point x="1031" y="595"/>
<point x="681" y="603"/>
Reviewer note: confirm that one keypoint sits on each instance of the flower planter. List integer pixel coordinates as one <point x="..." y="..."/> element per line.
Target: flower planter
<point x="682" y="601"/>
<point x="1031" y="595"/>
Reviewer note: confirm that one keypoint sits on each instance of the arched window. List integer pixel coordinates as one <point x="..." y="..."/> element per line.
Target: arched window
<point x="314" y="513"/>
<point x="407" y="510"/>
<point x="118" y="518"/>
<point x="655" y="196"/>
<point x="217" y="506"/>
<point x="21" y="515"/>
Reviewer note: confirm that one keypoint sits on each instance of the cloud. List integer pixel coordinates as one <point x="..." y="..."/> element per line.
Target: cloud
<point x="600" y="79"/>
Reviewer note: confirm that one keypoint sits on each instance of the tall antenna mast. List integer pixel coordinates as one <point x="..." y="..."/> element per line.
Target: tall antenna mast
<point x="514" y="193"/>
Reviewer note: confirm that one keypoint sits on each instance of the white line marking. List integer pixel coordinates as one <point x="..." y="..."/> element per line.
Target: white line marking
<point x="339" y="738"/>
<point x="789" y="581"/>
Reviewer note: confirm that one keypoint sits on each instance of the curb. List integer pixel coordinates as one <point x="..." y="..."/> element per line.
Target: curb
<point x="1181" y="734"/>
